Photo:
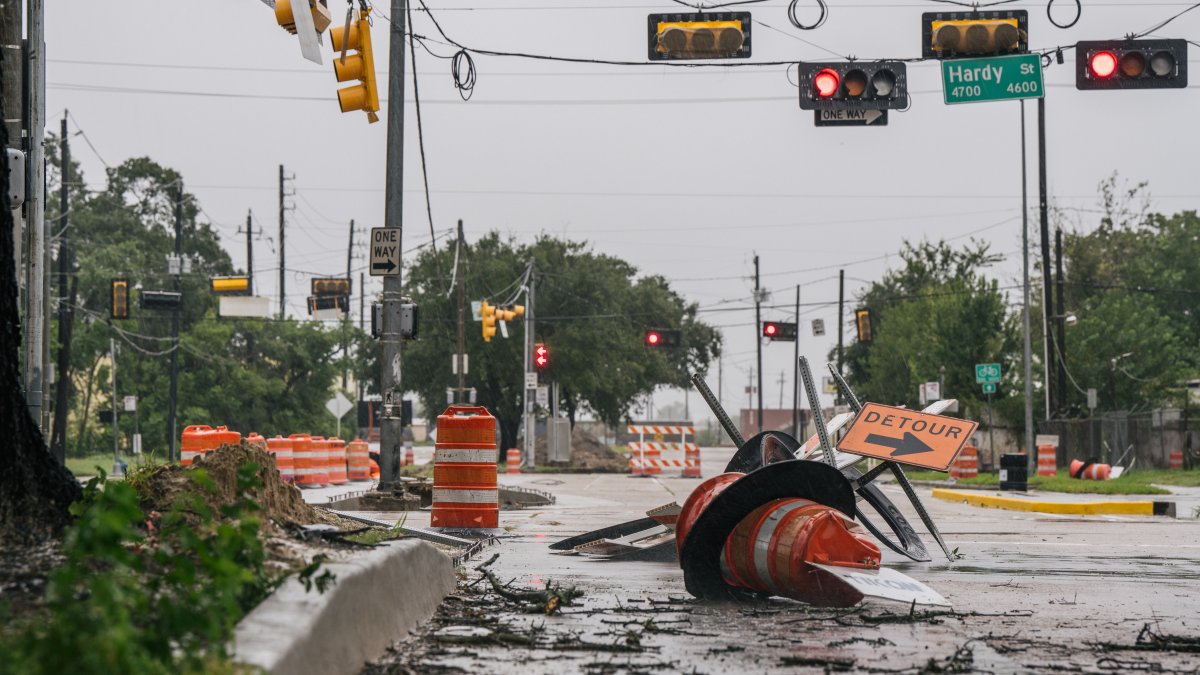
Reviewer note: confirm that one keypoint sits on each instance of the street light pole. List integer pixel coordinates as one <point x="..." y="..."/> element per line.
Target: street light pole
<point x="1027" y="356"/>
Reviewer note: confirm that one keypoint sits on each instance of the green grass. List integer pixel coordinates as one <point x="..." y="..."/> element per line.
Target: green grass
<point x="377" y="535"/>
<point x="1135" y="483"/>
<point x="1164" y="477"/>
<point x="86" y="466"/>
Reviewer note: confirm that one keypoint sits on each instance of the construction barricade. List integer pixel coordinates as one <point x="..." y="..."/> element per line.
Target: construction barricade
<point x="196" y="439"/>
<point x="513" y="461"/>
<point x="223" y="436"/>
<point x="966" y="465"/>
<point x="1176" y="460"/>
<point x="464" y="470"/>
<point x="308" y="473"/>
<point x="335" y="460"/>
<point x="645" y="459"/>
<point x="691" y="461"/>
<point x="281" y="449"/>
<point x="1047" y="458"/>
<point x="358" y="460"/>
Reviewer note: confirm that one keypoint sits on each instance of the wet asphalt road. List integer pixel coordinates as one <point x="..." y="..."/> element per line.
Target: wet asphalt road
<point x="1031" y="593"/>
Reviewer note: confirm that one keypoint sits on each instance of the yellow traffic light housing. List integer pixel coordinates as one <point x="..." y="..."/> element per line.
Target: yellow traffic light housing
<point x="862" y="319"/>
<point x="488" y="313"/>
<point x="287" y="20"/>
<point x="230" y="285"/>
<point x="330" y="286"/>
<point x="119" y="305"/>
<point x="519" y="310"/>
<point x="713" y="35"/>
<point x="949" y="35"/>
<point x="360" y="66"/>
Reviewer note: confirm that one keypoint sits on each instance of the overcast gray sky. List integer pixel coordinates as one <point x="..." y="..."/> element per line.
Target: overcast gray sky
<point x="684" y="172"/>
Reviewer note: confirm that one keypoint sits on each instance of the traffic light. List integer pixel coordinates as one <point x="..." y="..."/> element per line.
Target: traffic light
<point x="230" y="285"/>
<point x="161" y="300"/>
<point x="488" y="313"/>
<point x="1131" y="64"/>
<point x="853" y="85"/>
<point x="330" y="286"/>
<point x="712" y="35"/>
<point x="780" y="331"/>
<point x="862" y="319"/>
<point x="541" y="356"/>
<point x="287" y="20"/>
<point x="661" y="337"/>
<point x="949" y="35"/>
<point x="360" y="66"/>
<point x="119" y="307"/>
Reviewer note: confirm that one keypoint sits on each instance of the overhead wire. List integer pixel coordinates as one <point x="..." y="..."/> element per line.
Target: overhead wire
<point x="421" y="139"/>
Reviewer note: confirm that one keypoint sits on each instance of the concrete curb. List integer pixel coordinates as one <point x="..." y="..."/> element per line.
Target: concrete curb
<point x="1085" y="508"/>
<point x="377" y="598"/>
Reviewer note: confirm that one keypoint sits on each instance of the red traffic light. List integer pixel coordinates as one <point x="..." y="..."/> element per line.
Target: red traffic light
<point x="770" y="329"/>
<point x="653" y="338"/>
<point x="541" y="356"/>
<point x="826" y="83"/>
<point x="1103" y="64"/>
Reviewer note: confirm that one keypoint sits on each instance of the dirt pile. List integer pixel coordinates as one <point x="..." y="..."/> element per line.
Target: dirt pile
<point x="588" y="455"/>
<point x="161" y="487"/>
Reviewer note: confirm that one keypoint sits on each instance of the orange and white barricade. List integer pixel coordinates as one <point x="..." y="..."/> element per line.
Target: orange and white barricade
<point x="1047" y="458"/>
<point x="197" y="438"/>
<point x="335" y="460"/>
<point x="1176" y="460"/>
<point x="513" y="460"/>
<point x="358" y="459"/>
<point x="306" y="469"/>
<point x="281" y="449"/>
<point x="223" y="436"/>
<point x="691" y="461"/>
<point x="464" y="470"/>
<point x="966" y="465"/>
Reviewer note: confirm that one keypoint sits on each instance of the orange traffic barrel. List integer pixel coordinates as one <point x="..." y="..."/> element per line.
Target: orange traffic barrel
<point x="1176" y="459"/>
<point x="698" y="501"/>
<point x="968" y="462"/>
<point x="281" y="449"/>
<point x="196" y="439"/>
<point x="408" y="453"/>
<point x="305" y="461"/>
<point x="358" y="460"/>
<point x="1089" y="470"/>
<point x="374" y="470"/>
<point x="691" y="461"/>
<point x="335" y="460"/>
<point x="1047" y="460"/>
<point x="320" y="460"/>
<point x="253" y="438"/>
<point x="769" y="551"/>
<point x="464" y="469"/>
<point x="513" y="461"/>
<point x="223" y="436"/>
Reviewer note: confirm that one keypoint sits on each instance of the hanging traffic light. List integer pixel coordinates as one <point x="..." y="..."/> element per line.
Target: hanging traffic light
<point x="853" y="85"/>
<point x="862" y="320"/>
<point x="360" y="66"/>
<point x="711" y="35"/>
<point x="541" y="356"/>
<point x="661" y="337"/>
<point x="323" y="303"/>
<point x="330" y="286"/>
<point x="119" y="306"/>
<point x="287" y="20"/>
<point x="780" y="331"/>
<point x="1131" y="64"/>
<point x="230" y="285"/>
<point x="487" y="313"/>
<point x="161" y="299"/>
<point x="949" y="35"/>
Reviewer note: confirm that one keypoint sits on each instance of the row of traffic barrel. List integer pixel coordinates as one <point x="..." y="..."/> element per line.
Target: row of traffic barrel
<point x="302" y="459"/>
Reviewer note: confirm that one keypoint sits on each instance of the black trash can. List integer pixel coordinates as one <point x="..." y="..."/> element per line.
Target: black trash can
<point x="1014" y="472"/>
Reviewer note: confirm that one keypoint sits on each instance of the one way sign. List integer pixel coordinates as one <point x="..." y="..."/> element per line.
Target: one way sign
<point x="851" y="118"/>
<point x="385" y="251"/>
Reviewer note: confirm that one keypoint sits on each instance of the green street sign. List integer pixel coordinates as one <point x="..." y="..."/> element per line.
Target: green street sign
<point x="999" y="78"/>
<point x="987" y="373"/>
<point x="989" y="388"/>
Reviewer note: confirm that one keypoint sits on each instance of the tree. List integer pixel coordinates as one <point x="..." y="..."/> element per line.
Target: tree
<point x="592" y="311"/>
<point x="35" y="490"/>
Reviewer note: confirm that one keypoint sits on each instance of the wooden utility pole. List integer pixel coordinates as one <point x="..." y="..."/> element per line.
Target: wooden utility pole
<point x="67" y="285"/>
<point x="462" y="326"/>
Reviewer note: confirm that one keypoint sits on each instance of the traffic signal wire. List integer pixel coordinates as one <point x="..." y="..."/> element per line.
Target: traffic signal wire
<point x="421" y="138"/>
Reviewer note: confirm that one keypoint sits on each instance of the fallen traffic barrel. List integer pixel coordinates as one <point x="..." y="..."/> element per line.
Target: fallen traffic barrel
<point x="464" y="469"/>
<point x="699" y="500"/>
<point x="514" y="462"/>
<point x="1089" y="470"/>
<point x="770" y="550"/>
<point x="358" y="460"/>
<point x="281" y="449"/>
<point x="691" y="461"/>
<point x="1176" y="460"/>
<point x="196" y="438"/>
<point x="1047" y="460"/>
<point x="335" y="460"/>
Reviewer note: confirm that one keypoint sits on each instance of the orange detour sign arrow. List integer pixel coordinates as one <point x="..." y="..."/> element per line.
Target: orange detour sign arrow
<point x="907" y="436"/>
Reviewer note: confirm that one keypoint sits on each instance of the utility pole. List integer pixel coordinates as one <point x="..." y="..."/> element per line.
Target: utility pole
<point x="530" y="421"/>
<point x="796" y="372"/>
<point x="1028" y="348"/>
<point x="172" y="405"/>
<point x="841" y="330"/>
<point x="35" y="209"/>
<point x="720" y="393"/>
<point x="346" y="319"/>
<point x="1061" y="324"/>
<point x="66" y="308"/>
<point x="362" y="317"/>
<point x="282" y="249"/>
<point x="13" y="64"/>
<point x="782" y="380"/>
<point x="250" y="249"/>
<point x="1047" y="299"/>
<point x="391" y="431"/>
<point x="112" y="353"/>
<point x="462" y="328"/>
<point x="758" y="338"/>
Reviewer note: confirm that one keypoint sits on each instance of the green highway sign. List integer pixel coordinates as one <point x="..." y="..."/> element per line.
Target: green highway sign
<point x="987" y="373"/>
<point x="989" y="388"/>
<point x="999" y="78"/>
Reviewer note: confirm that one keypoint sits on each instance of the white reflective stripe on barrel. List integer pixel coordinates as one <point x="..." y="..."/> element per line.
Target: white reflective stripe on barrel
<point x="762" y="543"/>
<point x="462" y="496"/>
<point x="462" y="456"/>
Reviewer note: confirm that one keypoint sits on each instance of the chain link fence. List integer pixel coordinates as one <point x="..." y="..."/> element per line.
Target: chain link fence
<point x="1146" y="439"/>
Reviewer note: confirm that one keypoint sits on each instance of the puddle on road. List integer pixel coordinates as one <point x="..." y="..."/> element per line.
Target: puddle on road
<point x="1143" y="569"/>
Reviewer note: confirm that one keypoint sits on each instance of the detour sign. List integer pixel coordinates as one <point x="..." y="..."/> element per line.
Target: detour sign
<point x="907" y="436"/>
